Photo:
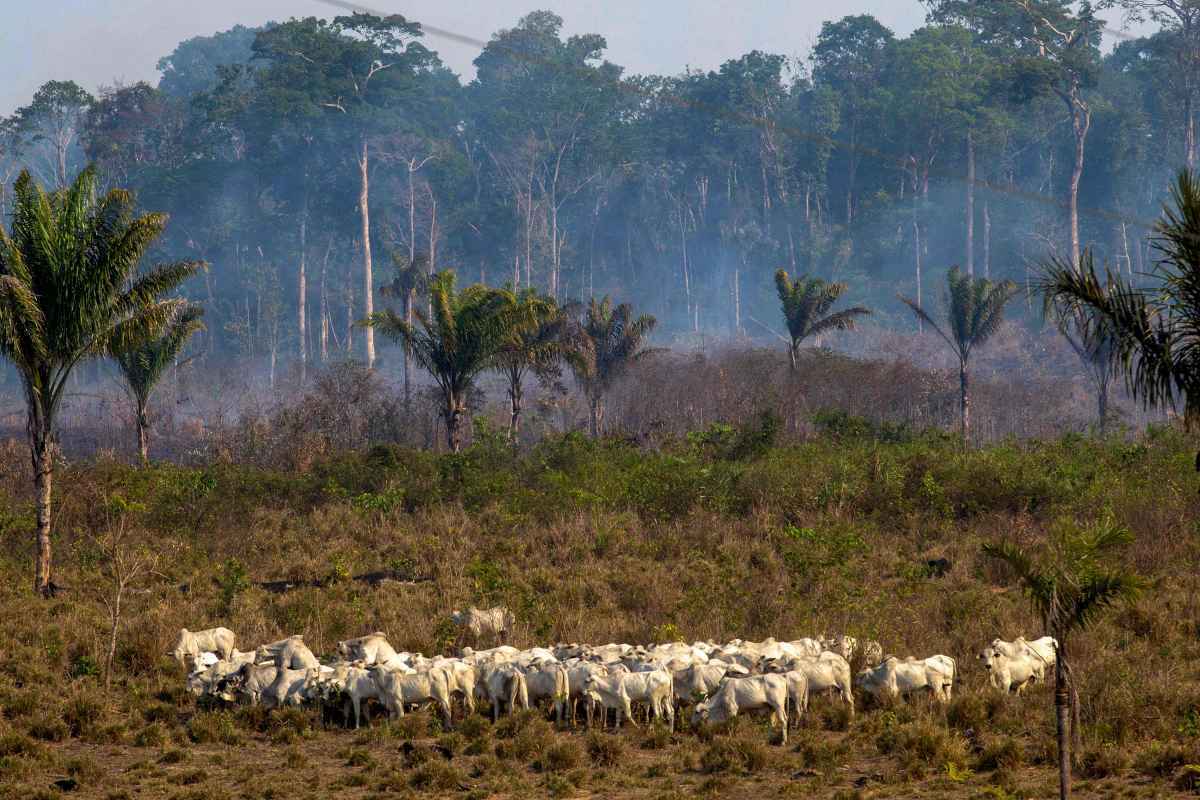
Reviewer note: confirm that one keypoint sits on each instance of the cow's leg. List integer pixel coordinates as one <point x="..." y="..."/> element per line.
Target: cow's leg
<point x="357" y="703"/>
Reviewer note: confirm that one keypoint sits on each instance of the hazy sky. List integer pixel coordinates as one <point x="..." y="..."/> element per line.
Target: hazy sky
<point x="98" y="42"/>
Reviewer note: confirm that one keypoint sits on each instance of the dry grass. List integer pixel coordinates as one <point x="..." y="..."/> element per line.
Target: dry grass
<point x="604" y="543"/>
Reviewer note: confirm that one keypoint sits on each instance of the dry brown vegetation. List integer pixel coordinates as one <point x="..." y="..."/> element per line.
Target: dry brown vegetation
<point x="758" y="528"/>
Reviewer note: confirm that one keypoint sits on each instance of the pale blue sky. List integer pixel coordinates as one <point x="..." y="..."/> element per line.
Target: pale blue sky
<point x="98" y="42"/>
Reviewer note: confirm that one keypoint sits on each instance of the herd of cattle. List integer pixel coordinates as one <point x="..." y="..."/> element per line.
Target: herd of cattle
<point x="717" y="681"/>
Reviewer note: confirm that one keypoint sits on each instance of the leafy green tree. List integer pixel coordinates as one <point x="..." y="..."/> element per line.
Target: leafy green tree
<point x="69" y="292"/>
<point x="409" y="280"/>
<point x="1070" y="581"/>
<point x="1155" y="328"/>
<point x="535" y="346"/>
<point x="806" y="304"/>
<point x="1091" y="338"/>
<point x="144" y="366"/>
<point x="55" y="118"/>
<point x="974" y="309"/>
<point x="456" y="342"/>
<point x="608" y="340"/>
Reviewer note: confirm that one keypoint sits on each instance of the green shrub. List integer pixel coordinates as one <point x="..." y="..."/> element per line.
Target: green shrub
<point x="1001" y="753"/>
<point x="1105" y="761"/>
<point x="734" y="755"/>
<point x="560" y="757"/>
<point x="213" y="727"/>
<point x="437" y="775"/>
<point x="1162" y="759"/>
<point x="605" y="750"/>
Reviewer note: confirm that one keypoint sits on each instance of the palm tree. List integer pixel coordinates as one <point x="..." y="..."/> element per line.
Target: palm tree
<point x="607" y="341"/>
<point x="534" y="347"/>
<point x="1069" y="584"/>
<point x="70" y="292"/>
<point x="410" y="280"/>
<point x="1090" y="337"/>
<point x="144" y="366"/>
<point x="1154" y="330"/>
<point x="974" y="311"/>
<point x="806" y="302"/>
<point x="454" y="344"/>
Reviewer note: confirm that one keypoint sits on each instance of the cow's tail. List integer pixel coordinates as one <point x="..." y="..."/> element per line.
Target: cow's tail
<point x="518" y="691"/>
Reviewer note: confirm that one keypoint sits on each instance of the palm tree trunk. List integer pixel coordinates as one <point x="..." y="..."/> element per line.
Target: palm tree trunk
<point x="964" y="388"/>
<point x="596" y="406"/>
<point x="143" y="433"/>
<point x="408" y="313"/>
<point x="1061" y="712"/>
<point x="41" y="446"/>
<point x="514" y="396"/>
<point x="1102" y="404"/>
<point x="455" y="412"/>
<point x="792" y="355"/>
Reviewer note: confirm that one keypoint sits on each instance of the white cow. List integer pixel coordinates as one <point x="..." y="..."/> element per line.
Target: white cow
<point x="654" y="688"/>
<point x="698" y="681"/>
<point x="737" y="695"/>
<point x="397" y="690"/>
<point x="249" y="681"/>
<point x="461" y="678"/>
<point x="797" y="687"/>
<point x="190" y="644"/>
<point x="895" y="677"/>
<point x="1012" y="669"/>
<point x="827" y="673"/>
<point x="355" y="682"/>
<point x="288" y="688"/>
<point x="549" y="681"/>
<point x="290" y="653"/>
<point x="848" y="647"/>
<point x="503" y="684"/>
<point x="608" y="691"/>
<point x="373" y="648"/>
<point x="494" y="624"/>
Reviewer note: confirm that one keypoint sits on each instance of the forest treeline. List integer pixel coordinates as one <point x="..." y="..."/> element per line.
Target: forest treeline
<point x="305" y="161"/>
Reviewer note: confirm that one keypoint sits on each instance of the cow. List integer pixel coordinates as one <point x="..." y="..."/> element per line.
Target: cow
<point x="491" y="624"/>
<point x="502" y="684"/>
<point x="190" y="644"/>
<point x="848" y="648"/>
<point x="289" y="687"/>
<point x="370" y="649"/>
<point x="461" y="678"/>
<point x="608" y="691"/>
<point x="797" y="687"/>
<point x="249" y="681"/>
<point x="289" y="653"/>
<point x="827" y="673"/>
<point x="895" y="677"/>
<point x="1012" y="669"/>
<point x="351" y="680"/>
<point x="549" y="681"/>
<point x="653" y="687"/>
<point x="738" y="695"/>
<point x="698" y="681"/>
<point x="397" y="690"/>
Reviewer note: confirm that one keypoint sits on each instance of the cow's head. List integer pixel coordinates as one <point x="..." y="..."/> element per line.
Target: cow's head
<point x="989" y="657"/>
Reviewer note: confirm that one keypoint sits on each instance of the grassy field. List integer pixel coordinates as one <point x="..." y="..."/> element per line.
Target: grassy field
<point x="717" y="535"/>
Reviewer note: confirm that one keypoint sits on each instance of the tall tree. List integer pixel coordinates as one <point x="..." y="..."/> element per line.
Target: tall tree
<point x="1154" y="329"/>
<point x="849" y="57"/>
<point x="1089" y="335"/>
<point x="459" y="340"/>
<point x="806" y="304"/>
<point x="54" y="118"/>
<point x="143" y="367"/>
<point x="367" y="70"/>
<point x="974" y="309"/>
<point x="69" y="292"/>
<point x="1181" y="18"/>
<point x="1070" y="581"/>
<point x="609" y="339"/>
